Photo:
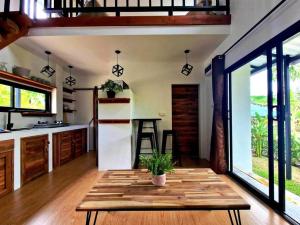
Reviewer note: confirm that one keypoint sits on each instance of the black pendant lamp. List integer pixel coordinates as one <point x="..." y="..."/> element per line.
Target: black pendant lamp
<point x="48" y="70"/>
<point x="187" y="68"/>
<point x="117" y="69"/>
<point x="70" y="80"/>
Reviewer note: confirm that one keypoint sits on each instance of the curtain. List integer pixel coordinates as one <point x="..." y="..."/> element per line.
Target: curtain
<point x="218" y="139"/>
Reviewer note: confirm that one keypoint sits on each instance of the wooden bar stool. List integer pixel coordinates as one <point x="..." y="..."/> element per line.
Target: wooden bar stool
<point x="166" y="134"/>
<point x="145" y="135"/>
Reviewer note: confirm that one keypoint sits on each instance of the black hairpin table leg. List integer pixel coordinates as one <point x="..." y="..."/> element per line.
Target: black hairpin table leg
<point x="236" y="218"/>
<point x="88" y="217"/>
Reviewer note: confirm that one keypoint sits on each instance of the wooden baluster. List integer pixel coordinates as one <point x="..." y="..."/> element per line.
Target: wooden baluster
<point x="139" y="3"/>
<point x="161" y="3"/>
<point x="150" y="3"/>
<point x="21" y="7"/>
<point x="104" y="4"/>
<point x="117" y="10"/>
<point x="228" y="7"/>
<point x="6" y="8"/>
<point x="183" y="2"/>
<point x="64" y="7"/>
<point x="77" y="2"/>
<point x="195" y="3"/>
<point x="127" y="3"/>
<point x="34" y="9"/>
<point x="217" y="3"/>
<point x="71" y="7"/>
<point x="93" y="3"/>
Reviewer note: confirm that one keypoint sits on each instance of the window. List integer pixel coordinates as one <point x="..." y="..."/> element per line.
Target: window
<point x="5" y="95"/>
<point x="30" y="99"/>
<point x="23" y="98"/>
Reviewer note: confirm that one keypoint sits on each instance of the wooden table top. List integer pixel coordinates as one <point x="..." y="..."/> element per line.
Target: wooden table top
<point x="186" y="189"/>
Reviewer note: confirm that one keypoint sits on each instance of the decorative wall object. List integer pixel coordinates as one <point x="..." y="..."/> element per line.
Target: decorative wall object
<point x="117" y="69"/>
<point x="187" y="68"/>
<point x="70" y="80"/>
<point x="48" y="70"/>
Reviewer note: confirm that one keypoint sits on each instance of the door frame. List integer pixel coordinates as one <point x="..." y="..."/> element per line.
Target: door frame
<point x="198" y="110"/>
<point x="275" y="42"/>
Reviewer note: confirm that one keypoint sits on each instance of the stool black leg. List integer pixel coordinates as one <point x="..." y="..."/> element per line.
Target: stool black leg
<point x="164" y="143"/>
<point x="152" y="142"/>
<point x="138" y="145"/>
<point x="156" y="135"/>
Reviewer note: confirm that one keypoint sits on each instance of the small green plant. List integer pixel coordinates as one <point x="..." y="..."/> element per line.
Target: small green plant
<point x="157" y="164"/>
<point x="110" y="85"/>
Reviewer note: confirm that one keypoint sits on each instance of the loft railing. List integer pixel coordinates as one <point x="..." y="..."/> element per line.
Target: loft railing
<point x="74" y="7"/>
<point x="39" y="9"/>
<point x="8" y="6"/>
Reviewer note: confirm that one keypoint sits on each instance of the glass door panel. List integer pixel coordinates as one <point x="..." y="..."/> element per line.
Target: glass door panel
<point x="291" y="58"/>
<point x="249" y="91"/>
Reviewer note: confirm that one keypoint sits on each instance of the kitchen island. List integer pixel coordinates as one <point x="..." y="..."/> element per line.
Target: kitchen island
<point x="47" y="133"/>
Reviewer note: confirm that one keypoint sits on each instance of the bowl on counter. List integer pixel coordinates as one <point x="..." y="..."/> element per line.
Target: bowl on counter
<point x="21" y="71"/>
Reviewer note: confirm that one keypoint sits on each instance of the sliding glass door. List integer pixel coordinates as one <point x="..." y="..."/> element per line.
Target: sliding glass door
<point x="264" y="90"/>
<point x="255" y="124"/>
<point x="291" y="71"/>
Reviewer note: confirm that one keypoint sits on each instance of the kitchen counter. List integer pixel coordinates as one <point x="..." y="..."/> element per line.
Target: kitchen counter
<point x="17" y="135"/>
<point x="37" y="131"/>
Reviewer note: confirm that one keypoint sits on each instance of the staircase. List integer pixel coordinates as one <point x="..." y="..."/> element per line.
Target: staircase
<point x="13" y="25"/>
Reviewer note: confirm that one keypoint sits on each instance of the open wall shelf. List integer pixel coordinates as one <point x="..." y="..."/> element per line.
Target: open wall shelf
<point x="68" y="100"/>
<point x="113" y="100"/>
<point x="25" y="81"/>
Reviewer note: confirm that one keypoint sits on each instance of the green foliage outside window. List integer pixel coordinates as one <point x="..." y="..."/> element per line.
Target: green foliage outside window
<point x="32" y="100"/>
<point x="5" y="95"/>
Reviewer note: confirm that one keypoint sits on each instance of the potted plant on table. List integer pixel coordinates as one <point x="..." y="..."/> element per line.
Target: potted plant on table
<point x="111" y="87"/>
<point x="158" y="164"/>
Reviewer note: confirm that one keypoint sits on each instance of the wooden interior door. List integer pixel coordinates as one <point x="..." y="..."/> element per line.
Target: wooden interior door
<point x="185" y="118"/>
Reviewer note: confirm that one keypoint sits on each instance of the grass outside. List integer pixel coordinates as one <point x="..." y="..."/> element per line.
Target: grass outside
<point x="260" y="167"/>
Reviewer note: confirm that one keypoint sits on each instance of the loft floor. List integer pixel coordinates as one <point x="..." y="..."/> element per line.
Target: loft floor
<point x="52" y="198"/>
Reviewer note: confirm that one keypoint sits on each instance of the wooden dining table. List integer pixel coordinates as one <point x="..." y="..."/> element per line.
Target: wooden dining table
<point x="185" y="189"/>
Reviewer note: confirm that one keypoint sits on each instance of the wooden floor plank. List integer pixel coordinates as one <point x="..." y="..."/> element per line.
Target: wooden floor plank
<point x="52" y="199"/>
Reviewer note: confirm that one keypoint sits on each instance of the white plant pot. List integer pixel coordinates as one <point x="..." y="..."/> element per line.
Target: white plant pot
<point x="159" y="180"/>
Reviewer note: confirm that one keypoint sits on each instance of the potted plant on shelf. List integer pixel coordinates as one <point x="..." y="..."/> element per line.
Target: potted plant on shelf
<point x="111" y="88"/>
<point x="158" y="164"/>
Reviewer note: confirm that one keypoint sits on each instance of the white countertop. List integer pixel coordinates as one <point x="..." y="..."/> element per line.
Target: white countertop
<point x="38" y="131"/>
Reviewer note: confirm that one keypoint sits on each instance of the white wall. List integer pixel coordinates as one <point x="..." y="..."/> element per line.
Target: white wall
<point x="241" y="119"/>
<point x="245" y="14"/>
<point x="151" y="84"/>
<point x="16" y="55"/>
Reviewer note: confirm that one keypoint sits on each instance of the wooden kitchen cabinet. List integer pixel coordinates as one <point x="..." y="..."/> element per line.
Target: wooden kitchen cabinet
<point x="6" y="166"/>
<point x="34" y="157"/>
<point x="68" y="145"/>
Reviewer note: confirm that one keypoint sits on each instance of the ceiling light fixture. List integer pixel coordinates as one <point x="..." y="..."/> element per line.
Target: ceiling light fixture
<point x="48" y="70"/>
<point x="70" y="80"/>
<point x="117" y="69"/>
<point x="187" y="68"/>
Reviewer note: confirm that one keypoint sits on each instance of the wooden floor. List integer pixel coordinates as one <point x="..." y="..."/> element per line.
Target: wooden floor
<point x="52" y="198"/>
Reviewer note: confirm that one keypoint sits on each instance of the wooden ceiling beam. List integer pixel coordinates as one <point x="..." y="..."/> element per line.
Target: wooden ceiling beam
<point x="86" y="21"/>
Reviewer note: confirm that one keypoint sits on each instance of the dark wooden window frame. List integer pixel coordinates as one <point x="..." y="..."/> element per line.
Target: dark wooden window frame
<point x="13" y="107"/>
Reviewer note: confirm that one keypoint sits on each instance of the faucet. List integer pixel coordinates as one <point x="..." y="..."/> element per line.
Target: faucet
<point x="9" y="125"/>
